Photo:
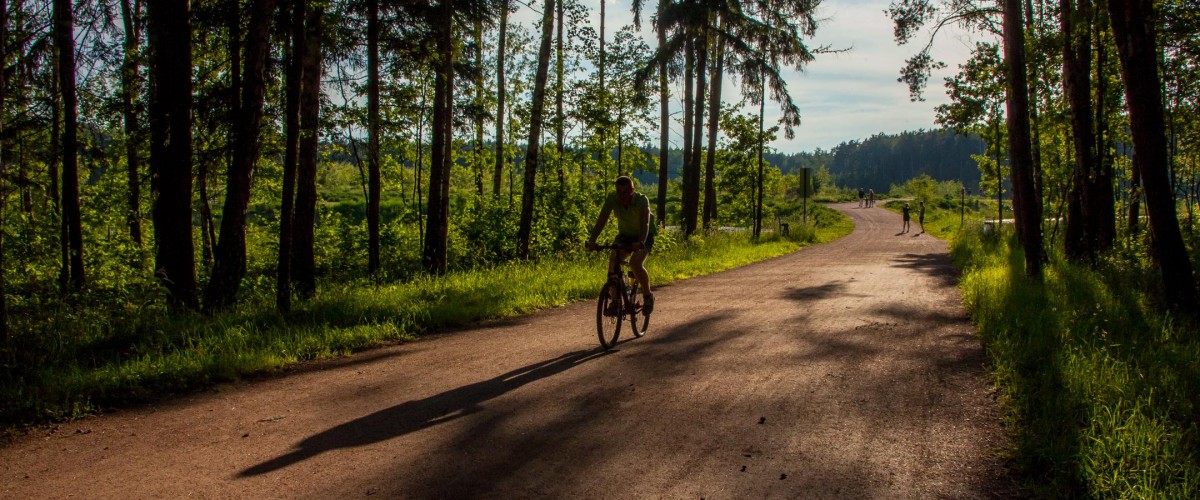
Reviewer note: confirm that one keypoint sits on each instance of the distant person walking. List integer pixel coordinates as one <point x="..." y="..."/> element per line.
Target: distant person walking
<point x="921" y="216"/>
<point x="860" y="198"/>
<point x="870" y="198"/>
<point x="907" y="217"/>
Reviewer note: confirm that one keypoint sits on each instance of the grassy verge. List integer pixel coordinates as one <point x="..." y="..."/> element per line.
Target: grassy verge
<point x="1101" y="387"/>
<point x="138" y="353"/>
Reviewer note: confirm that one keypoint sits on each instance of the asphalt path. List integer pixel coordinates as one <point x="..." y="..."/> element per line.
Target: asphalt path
<point x="844" y="370"/>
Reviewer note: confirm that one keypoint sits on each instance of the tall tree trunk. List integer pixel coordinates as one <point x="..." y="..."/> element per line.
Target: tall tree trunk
<point x="4" y="335"/>
<point x="478" y="147"/>
<point x="295" y="53"/>
<point x="130" y="16"/>
<point x="664" y="130"/>
<point x="1102" y="197"/>
<point x="687" y="203"/>
<point x="714" y="116"/>
<point x="64" y="29"/>
<point x="229" y="263"/>
<point x="1079" y="239"/>
<point x="305" y="216"/>
<point x="698" y="125"/>
<point x="762" y="115"/>
<point x="559" y="116"/>
<point x="1133" y="27"/>
<point x="501" y="91"/>
<point x="1026" y="205"/>
<point x="525" y="230"/>
<point x="171" y="148"/>
<point x="437" y="230"/>
<point x="374" y="177"/>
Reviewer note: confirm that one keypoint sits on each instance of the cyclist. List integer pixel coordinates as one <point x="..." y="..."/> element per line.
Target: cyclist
<point x="635" y="229"/>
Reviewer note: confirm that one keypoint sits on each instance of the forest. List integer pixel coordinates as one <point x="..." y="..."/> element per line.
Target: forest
<point x="166" y="163"/>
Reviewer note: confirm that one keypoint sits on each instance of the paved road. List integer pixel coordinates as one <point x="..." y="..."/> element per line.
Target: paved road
<point x="845" y="370"/>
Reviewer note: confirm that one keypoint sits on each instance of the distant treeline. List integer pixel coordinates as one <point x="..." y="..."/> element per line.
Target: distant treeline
<point x="877" y="162"/>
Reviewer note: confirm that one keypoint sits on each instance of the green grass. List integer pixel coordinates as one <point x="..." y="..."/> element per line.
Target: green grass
<point x="84" y="363"/>
<point x="1100" y="386"/>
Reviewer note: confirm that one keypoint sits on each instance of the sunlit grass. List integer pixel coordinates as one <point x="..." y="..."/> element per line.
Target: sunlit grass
<point x="87" y="361"/>
<point x="1099" y="385"/>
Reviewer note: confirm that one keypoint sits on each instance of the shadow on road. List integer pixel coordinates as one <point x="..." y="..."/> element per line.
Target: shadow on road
<point x="415" y="415"/>
<point x="937" y="265"/>
<point x="816" y="292"/>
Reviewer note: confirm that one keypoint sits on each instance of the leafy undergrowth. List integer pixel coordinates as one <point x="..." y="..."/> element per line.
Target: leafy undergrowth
<point x="83" y="359"/>
<point x="1101" y="386"/>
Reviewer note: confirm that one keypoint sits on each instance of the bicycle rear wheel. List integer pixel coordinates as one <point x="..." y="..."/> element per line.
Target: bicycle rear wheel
<point x="609" y="315"/>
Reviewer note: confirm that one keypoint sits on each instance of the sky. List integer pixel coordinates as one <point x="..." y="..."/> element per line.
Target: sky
<point x="846" y="96"/>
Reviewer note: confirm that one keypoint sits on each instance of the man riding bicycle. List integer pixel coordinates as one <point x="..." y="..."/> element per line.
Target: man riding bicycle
<point x="635" y="231"/>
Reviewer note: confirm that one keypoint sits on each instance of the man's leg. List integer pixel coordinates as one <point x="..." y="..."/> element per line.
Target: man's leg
<point x="637" y="263"/>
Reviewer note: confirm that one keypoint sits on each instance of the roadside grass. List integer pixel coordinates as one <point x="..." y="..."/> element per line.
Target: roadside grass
<point x="1101" y="387"/>
<point x="78" y="364"/>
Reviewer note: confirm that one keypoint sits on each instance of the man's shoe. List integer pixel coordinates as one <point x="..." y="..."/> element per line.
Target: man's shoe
<point x="648" y="303"/>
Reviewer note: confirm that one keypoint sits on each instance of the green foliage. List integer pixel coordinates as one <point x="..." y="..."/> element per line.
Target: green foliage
<point x="1099" y="384"/>
<point x="100" y="349"/>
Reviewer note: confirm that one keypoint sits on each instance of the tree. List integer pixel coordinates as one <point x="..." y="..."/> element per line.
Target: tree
<point x="374" y="181"/>
<point x="1133" y="27"/>
<point x="64" y="30"/>
<point x="294" y="54"/>
<point x="1027" y="205"/>
<point x="437" y="230"/>
<point x="171" y="148"/>
<point x="134" y="135"/>
<point x="524" y="233"/>
<point x="501" y="93"/>
<point x="230" y="257"/>
<point x="303" y="267"/>
<point x="4" y="336"/>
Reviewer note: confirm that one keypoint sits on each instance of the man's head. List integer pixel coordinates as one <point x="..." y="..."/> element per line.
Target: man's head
<point x="624" y="189"/>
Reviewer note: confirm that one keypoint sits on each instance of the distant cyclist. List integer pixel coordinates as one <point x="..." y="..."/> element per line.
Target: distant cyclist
<point x="635" y="229"/>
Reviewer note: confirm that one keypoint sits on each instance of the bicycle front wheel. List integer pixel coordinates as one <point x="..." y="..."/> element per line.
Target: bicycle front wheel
<point x="609" y="315"/>
<point x="638" y="320"/>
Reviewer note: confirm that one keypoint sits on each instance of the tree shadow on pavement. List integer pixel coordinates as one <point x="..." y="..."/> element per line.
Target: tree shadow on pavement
<point x="415" y="415"/>
<point x="937" y="265"/>
<point x="816" y="292"/>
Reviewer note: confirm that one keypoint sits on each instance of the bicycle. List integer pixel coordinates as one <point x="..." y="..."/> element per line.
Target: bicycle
<point x="609" y="313"/>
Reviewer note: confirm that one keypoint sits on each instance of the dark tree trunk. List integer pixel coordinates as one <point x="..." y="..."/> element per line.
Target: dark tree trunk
<point x="437" y="230"/>
<point x="1079" y="239"/>
<point x="4" y="335"/>
<point x="525" y="230"/>
<point x="701" y="74"/>
<point x="498" y="173"/>
<point x="283" y="271"/>
<point x="664" y="129"/>
<point x="64" y="29"/>
<point x="229" y="263"/>
<point x="478" y="146"/>
<point x="687" y="205"/>
<point x="1133" y="28"/>
<point x="131" y="17"/>
<point x="305" y="216"/>
<point x="714" y="116"/>
<point x="1102" y="197"/>
<point x="171" y="148"/>
<point x="762" y="114"/>
<point x="374" y="181"/>
<point x="559" y="116"/>
<point x="1026" y="205"/>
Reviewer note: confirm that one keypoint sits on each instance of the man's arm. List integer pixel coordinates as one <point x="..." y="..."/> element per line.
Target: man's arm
<point x="600" y="222"/>
<point x="645" y="225"/>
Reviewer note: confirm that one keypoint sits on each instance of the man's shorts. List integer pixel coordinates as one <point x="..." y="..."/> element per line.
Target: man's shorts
<point x="629" y="240"/>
